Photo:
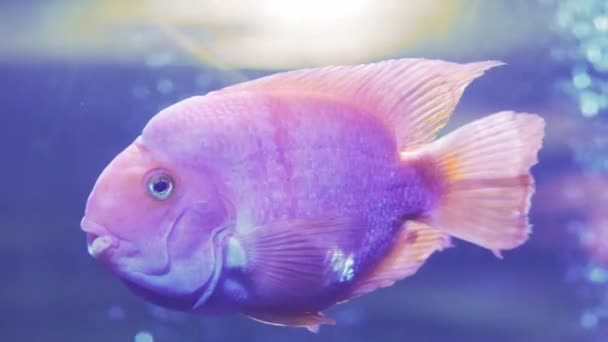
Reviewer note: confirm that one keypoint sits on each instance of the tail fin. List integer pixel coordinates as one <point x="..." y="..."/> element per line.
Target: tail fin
<point x="482" y="171"/>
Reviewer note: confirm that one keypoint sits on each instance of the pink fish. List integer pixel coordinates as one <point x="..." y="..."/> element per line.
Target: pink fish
<point x="282" y="196"/>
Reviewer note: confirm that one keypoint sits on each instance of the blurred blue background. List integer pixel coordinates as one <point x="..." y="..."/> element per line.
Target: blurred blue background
<point x="79" y="80"/>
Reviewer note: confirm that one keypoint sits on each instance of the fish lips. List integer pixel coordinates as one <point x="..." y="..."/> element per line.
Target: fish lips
<point x="100" y="242"/>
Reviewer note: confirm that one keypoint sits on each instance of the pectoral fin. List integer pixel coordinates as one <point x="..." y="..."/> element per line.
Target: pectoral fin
<point x="289" y="259"/>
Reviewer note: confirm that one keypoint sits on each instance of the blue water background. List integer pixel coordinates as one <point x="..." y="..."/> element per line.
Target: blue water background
<point x="63" y="122"/>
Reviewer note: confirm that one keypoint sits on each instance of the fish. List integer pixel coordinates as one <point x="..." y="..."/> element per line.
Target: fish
<point x="282" y="196"/>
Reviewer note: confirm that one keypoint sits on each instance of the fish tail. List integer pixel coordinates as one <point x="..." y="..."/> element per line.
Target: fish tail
<point x="481" y="174"/>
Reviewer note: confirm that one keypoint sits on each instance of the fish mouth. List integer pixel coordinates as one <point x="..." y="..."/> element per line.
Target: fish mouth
<point x="99" y="241"/>
<point x="99" y="246"/>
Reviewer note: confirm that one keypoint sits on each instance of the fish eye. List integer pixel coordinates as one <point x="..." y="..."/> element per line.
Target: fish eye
<point x="160" y="186"/>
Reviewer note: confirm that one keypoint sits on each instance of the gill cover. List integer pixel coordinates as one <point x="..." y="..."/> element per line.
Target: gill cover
<point x="194" y="261"/>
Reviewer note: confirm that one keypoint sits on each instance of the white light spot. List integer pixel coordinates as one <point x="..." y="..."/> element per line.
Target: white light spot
<point x="343" y="266"/>
<point x="589" y="104"/>
<point x="144" y="336"/>
<point x="235" y="255"/>
<point x="589" y="108"/>
<point x="581" y="80"/>
<point x="348" y="271"/>
<point x="601" y="23"/>
<point x="593" y="53"/>
<point x="598" y="275"/>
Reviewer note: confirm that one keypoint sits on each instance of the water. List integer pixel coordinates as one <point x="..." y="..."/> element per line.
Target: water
<point x="65" y="118"/>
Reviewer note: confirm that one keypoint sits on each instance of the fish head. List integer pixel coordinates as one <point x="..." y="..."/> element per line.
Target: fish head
<point x="156" y="226"/>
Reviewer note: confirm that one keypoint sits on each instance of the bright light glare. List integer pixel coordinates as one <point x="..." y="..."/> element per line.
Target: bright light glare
<point x="295" y="15"/>
<point x="266" y="34"/>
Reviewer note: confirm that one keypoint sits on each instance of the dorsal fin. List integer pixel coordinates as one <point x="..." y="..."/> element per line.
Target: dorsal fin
<point x="416" y="96"/>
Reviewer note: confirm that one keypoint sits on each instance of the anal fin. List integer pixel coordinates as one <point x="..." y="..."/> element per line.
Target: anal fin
<point x="414" y="245"/>
<point x="310" y="320"/>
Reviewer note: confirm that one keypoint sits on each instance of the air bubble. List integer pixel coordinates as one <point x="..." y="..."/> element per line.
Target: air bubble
<point x="589" y="320"/>
<point x="164" y="86"/>
<point x="601" y="23"/>
<point x="583" y="26"/>
<point x="144" y="336"/>
<point x="116" y="313"/>
<point x="158" y="60"/>
<point x="581" y="80"/>
<point x="598" y="275"/>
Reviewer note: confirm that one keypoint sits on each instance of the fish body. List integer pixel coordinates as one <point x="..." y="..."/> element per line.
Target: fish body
<point x="292" y="160"/>
<point x="285" y="195"/>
